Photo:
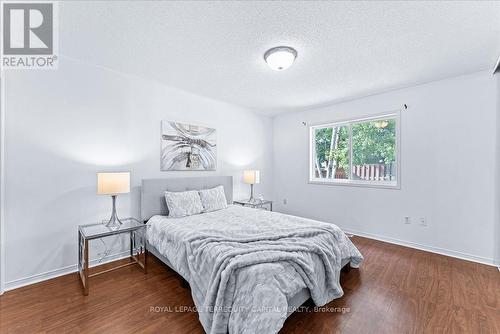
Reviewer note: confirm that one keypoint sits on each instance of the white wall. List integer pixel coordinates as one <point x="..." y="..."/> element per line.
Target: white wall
<point x="496" y="232"/>
<point x="448" y="148"/>
<point x="64" y="126"/>
<point x="2" y="181"/>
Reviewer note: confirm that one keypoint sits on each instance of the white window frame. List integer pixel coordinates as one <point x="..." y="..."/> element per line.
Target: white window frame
<point x="396" y="184"/>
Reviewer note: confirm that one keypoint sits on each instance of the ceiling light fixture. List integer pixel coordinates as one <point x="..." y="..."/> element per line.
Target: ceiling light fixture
<point x="280" y="58"/>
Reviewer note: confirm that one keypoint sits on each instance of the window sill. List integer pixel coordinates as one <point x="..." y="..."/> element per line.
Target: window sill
<point x="362" y="184"/>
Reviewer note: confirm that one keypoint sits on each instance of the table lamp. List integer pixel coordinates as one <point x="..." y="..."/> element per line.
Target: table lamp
<point x="251" y="177"/>
<point x="113" y="184"/>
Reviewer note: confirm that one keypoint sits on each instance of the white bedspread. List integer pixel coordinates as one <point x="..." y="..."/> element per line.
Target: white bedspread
<point x="244" y="264"/>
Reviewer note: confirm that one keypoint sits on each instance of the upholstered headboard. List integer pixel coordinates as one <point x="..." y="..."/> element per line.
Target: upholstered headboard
<point x="152" y="191"/>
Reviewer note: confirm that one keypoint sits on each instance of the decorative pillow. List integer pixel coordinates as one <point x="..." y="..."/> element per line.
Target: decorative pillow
<point x="184" y="203"/>
<point x="213" y="199"/>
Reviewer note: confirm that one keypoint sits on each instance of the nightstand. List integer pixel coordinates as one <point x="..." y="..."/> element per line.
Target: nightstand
<point x="138" y="252"/>
<point x="257" y="204"/>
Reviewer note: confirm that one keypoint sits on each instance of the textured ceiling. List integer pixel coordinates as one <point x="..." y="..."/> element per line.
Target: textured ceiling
<point x="345" y="49"/>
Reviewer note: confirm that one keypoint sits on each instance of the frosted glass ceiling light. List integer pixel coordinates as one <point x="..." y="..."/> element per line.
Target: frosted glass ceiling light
<point x="280" y="58"/>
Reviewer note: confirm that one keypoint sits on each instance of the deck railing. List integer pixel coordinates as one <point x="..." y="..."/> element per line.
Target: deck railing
<point x="375" y="172"/>
<point x="367" y="172"/>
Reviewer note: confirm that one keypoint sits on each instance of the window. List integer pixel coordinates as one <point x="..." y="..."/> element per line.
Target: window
<point x="356" y="152"/>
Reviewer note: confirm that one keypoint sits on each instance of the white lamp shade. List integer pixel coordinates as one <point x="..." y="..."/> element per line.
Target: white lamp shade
<point x="113" y="183"/>
<point x="251" y="176"/>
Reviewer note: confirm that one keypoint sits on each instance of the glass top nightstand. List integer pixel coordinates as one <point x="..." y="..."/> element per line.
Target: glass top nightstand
<point x="257" y="204"/>
<point x="99" y="230"/>
<point x="138" y="252"/>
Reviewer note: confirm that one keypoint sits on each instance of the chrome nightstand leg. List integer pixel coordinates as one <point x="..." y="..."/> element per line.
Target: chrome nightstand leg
<point x="143" y="242"/>
<point x="138" y="254"/>
<point x="79" y="245"/>
<point x="83" y="263"/>
<point x="131" y="245"/>
<point x="86" y="268"/>
<point x="80" y="262"/>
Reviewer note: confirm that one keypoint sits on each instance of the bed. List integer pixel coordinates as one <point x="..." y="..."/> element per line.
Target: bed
<point x="248" y="269"/>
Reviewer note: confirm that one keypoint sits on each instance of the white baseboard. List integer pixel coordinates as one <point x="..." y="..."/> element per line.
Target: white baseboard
<point x="61" y="271"/>
<point x="432" y="249"/>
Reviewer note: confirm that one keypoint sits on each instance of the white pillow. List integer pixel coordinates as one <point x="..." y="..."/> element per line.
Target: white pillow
<point x="213" y="199"/>
<point x="184" y="203"/>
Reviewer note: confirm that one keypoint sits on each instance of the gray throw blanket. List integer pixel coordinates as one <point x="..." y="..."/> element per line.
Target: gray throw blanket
<point x="243" y="265"/>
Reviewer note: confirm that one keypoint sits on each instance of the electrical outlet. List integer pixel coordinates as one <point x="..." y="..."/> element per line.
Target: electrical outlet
<point x="407" y="220"/>
<point x="422" y="221"/>
<point x="284" y="201"/>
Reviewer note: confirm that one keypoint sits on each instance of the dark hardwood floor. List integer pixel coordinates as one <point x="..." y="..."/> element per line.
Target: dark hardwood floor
<point x="397" y="290"/>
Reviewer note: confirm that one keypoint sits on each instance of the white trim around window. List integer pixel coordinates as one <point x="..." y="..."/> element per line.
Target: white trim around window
<point x="350" y="181"/>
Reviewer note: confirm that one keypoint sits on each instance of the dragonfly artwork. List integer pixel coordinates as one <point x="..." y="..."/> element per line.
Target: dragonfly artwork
<point x="187" y="147"/>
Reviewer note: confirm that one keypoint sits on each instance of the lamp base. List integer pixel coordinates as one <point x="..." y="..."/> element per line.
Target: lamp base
<point x="114" y="221"/>
<point x="251" y="199"/>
